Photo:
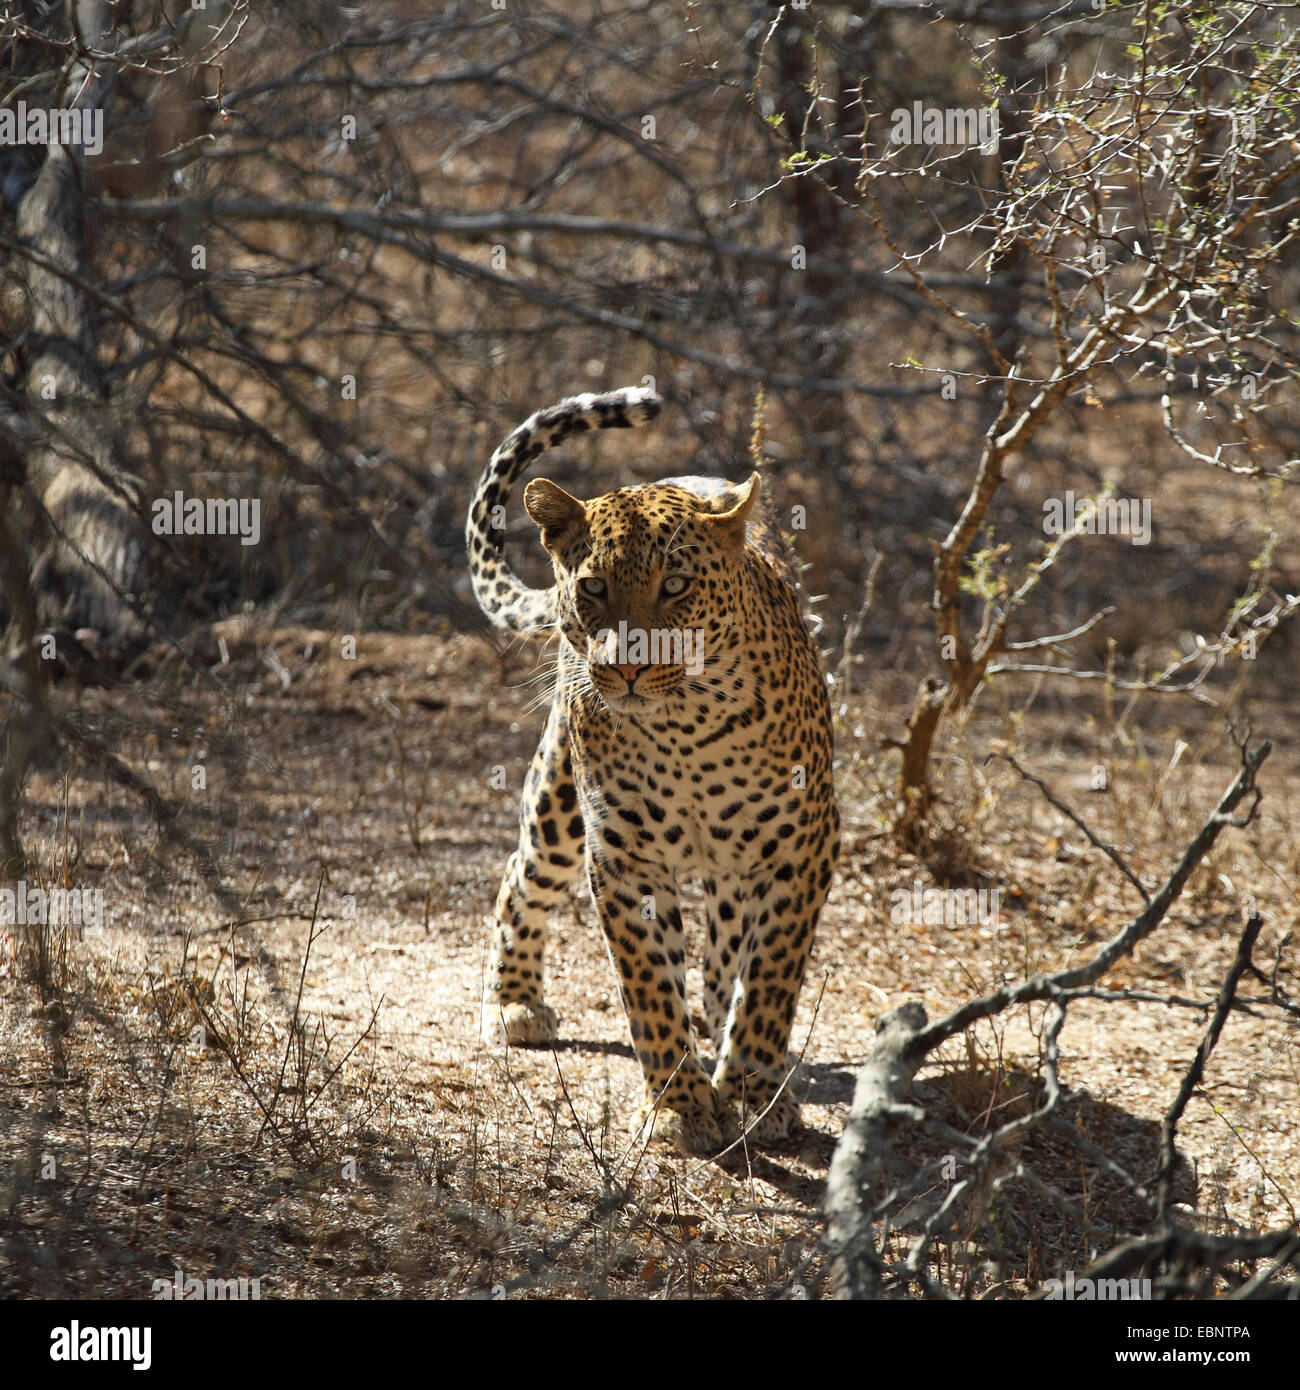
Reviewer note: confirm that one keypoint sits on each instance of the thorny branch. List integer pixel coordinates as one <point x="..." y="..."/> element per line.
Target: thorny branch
<point x="858" y="1266"/>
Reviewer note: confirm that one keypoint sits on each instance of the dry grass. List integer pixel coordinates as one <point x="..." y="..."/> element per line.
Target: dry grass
<point x="299" y="1096"/>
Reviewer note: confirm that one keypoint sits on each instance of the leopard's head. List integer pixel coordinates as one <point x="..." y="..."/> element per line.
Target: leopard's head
<point x="648" y="581"/>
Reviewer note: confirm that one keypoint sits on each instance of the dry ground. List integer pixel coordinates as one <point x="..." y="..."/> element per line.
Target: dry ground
<point x="309" y="1104"/>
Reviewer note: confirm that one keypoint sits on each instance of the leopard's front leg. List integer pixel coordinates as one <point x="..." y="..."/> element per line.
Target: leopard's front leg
<point x="642" y="922"/>
<point x="753" y="1070"/>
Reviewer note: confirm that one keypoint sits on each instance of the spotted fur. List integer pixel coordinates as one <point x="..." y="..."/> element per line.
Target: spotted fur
<point x="651" y="772"/>
<point x="511" y="604"/>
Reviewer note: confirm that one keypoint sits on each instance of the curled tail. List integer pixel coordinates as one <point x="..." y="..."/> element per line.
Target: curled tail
<point x="509" y="602"/>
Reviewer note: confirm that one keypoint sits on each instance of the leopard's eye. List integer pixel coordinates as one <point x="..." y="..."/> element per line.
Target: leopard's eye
<point x="675" y="584"/>
<point x="592" y="585"/>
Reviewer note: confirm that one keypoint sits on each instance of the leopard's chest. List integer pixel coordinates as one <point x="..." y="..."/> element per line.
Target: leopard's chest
<point x="699" y="803"/>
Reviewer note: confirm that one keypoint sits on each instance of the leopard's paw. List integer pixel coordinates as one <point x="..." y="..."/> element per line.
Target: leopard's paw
<point x="518" y="1024"/>
<point x="769" y="1115"/>
<point x="695" y="1129"/>
<point x="773" y="1121"/>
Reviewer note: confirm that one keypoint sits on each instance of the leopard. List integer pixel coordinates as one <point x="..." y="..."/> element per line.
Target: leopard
<point x="707" y="760"/>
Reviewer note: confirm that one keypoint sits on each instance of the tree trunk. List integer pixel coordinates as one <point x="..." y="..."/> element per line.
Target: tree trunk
<point x="89" y="570"/>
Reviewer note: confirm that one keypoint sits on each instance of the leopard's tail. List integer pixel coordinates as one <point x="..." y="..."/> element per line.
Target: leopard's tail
<point x="501" y="594"/>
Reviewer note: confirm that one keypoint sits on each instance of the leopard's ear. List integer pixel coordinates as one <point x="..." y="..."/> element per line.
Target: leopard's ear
<point x="739" y="502"/>
<point x="553" y="509"/>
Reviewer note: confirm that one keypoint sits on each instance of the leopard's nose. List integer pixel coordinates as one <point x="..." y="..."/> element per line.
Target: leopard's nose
<point x="630" y="673"/>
